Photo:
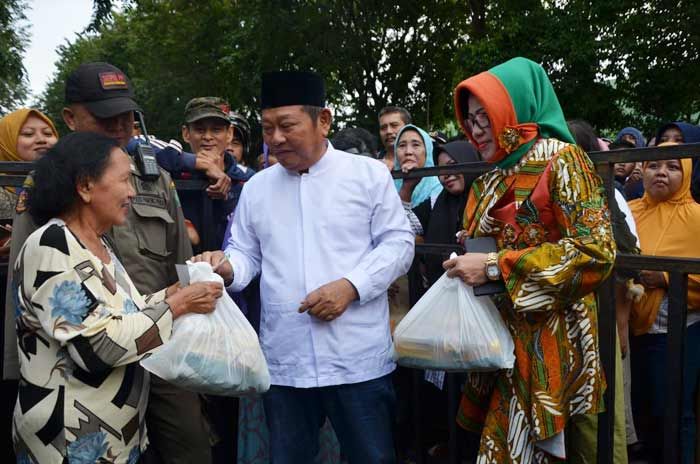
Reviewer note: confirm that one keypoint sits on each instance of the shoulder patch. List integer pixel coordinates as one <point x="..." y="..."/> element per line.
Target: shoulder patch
<point x="55" y="237"/>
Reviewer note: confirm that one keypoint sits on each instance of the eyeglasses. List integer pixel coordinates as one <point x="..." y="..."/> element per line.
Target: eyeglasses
<point x="479" y="119"/>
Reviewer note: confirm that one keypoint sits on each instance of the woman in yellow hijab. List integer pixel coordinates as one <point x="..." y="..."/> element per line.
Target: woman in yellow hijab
<point x="668" y="222"/>
<point x="25" y="135"/>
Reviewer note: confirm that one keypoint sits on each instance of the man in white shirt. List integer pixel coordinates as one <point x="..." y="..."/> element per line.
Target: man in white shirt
<point x="327" y="233"/>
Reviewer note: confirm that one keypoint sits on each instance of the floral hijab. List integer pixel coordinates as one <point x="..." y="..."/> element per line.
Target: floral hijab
<point x="521" y="104"/>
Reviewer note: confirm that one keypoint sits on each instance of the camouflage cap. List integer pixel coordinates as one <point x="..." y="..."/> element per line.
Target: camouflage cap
<point x="206" y="107"/>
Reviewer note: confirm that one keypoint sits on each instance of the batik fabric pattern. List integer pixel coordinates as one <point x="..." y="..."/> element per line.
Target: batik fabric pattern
<point x="82" y="327"/>
<point x="552" y="227"/>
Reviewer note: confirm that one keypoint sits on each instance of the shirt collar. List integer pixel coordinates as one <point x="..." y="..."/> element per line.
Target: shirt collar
<point x="325" y="162"/>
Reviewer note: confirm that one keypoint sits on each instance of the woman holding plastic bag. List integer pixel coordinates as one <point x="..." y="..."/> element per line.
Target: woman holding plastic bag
<point x="82" y="325"/>
<point x="545" y="206"/>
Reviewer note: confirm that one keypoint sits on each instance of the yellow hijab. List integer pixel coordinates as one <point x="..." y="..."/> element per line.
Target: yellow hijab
<point x="665" y="228"/>
<point x="11" y="125"/>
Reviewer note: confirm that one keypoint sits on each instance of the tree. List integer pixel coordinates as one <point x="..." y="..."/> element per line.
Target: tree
<point x="613" y="63"/>
<point x="13" y="42"/>
<point x="176" y="50"/>
<point x="605" y="66"/>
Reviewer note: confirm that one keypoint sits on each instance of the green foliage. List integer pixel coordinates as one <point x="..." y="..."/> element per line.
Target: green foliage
<point x="13" y="42"/>
<point x="613" y="63"/>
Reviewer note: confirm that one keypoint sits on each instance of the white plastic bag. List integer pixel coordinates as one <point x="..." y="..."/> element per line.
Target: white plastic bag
<point x="451" y="329"/>
<point x="216" y="353"/>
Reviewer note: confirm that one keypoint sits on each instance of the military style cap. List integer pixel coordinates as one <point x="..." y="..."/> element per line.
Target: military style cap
<point x="285" y="88"/>
<point x="206" y="107"/>
<point x="103" y="88"/>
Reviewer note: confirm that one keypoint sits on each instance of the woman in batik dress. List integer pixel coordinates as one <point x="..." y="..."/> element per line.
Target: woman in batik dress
<point x="545" y="206"/>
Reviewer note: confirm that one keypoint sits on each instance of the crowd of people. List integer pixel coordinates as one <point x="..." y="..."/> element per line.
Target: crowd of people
<point x="315" y="243"/>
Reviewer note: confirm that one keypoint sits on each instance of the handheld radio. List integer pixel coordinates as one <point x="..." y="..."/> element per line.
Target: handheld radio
<point x="145" y="156"/>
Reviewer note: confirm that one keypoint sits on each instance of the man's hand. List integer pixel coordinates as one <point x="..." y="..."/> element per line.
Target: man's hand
<point x="329" y="301"/>
<point x="219" y="263"/>
<point x="470" y="267"/>
<point x="221" y="182"/>
<point x="408" y="185"/>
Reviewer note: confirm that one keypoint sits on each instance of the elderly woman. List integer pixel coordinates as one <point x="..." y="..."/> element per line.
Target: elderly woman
<point x="545" y="207"/>
<point x="413" y="149"/>
<point x="82" y="326"/>
<point x="25" y="135"/>
<point x="668" y="221"/>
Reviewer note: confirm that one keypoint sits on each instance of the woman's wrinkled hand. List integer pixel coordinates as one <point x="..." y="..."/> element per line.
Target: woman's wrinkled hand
<point x="200" y="297"/>
<point x="470" y="267"/>
<point x="408" y="185"/>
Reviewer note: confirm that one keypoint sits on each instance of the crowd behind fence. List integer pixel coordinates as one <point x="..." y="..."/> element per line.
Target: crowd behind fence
<point x="677" y="269"/>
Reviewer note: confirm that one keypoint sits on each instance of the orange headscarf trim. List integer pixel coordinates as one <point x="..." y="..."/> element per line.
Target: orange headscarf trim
<point x="495" y="99"/>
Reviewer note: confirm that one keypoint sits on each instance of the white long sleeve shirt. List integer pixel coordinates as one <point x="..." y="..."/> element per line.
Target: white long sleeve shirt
<point x="342" y="219"/>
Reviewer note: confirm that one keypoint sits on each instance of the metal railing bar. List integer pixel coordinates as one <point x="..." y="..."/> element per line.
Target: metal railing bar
<point x="452" y="405"/>
<point x="628" y="155"/>
<point x="12" y="180"/>
<point x="191" y="184"/>
<point x="600" y="158"/>
<point x="23" y="167"/>
<point x="675" y="351"/>
<point x="474" y="169"/>
<point x="607" y="333"/>
<point x="658" y="263"/>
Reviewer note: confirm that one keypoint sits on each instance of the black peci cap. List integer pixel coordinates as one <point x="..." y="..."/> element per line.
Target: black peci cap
<point x="285" y="88"/>
<point x="103" y="88"/>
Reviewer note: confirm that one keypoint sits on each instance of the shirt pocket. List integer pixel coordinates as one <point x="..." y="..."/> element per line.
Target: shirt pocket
<point x="285" y="333"/>
<point x="150" y="228"/>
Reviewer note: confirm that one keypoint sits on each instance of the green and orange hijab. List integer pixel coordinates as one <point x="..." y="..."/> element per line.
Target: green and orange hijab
<point x="521" y="105"/>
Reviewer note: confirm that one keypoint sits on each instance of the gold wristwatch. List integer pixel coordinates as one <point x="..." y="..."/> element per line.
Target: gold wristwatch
<point x="491" y="266"/>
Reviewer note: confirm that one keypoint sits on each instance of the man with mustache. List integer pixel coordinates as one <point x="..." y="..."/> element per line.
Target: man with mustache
<point x="327" y="233"/>
<point x="391" y="120"/>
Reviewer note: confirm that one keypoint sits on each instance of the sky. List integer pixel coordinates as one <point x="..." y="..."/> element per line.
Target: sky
<point x="50" y="23"/>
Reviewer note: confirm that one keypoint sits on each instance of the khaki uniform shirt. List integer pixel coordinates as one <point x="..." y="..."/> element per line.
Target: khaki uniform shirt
<point x="149" y="244"/>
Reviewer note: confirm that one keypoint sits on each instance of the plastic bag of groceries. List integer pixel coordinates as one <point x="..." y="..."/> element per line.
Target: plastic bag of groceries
<point x="451" y="329"/>
<point x="216" y="353"/>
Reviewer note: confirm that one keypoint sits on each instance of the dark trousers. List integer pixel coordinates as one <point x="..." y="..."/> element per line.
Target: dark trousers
<point x="362" y="415"/>
<point x="649" y="393"/>
<point x="178" y="431"/>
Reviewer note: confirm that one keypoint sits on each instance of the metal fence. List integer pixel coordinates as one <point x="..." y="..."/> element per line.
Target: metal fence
<point x="678" y="269"/>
